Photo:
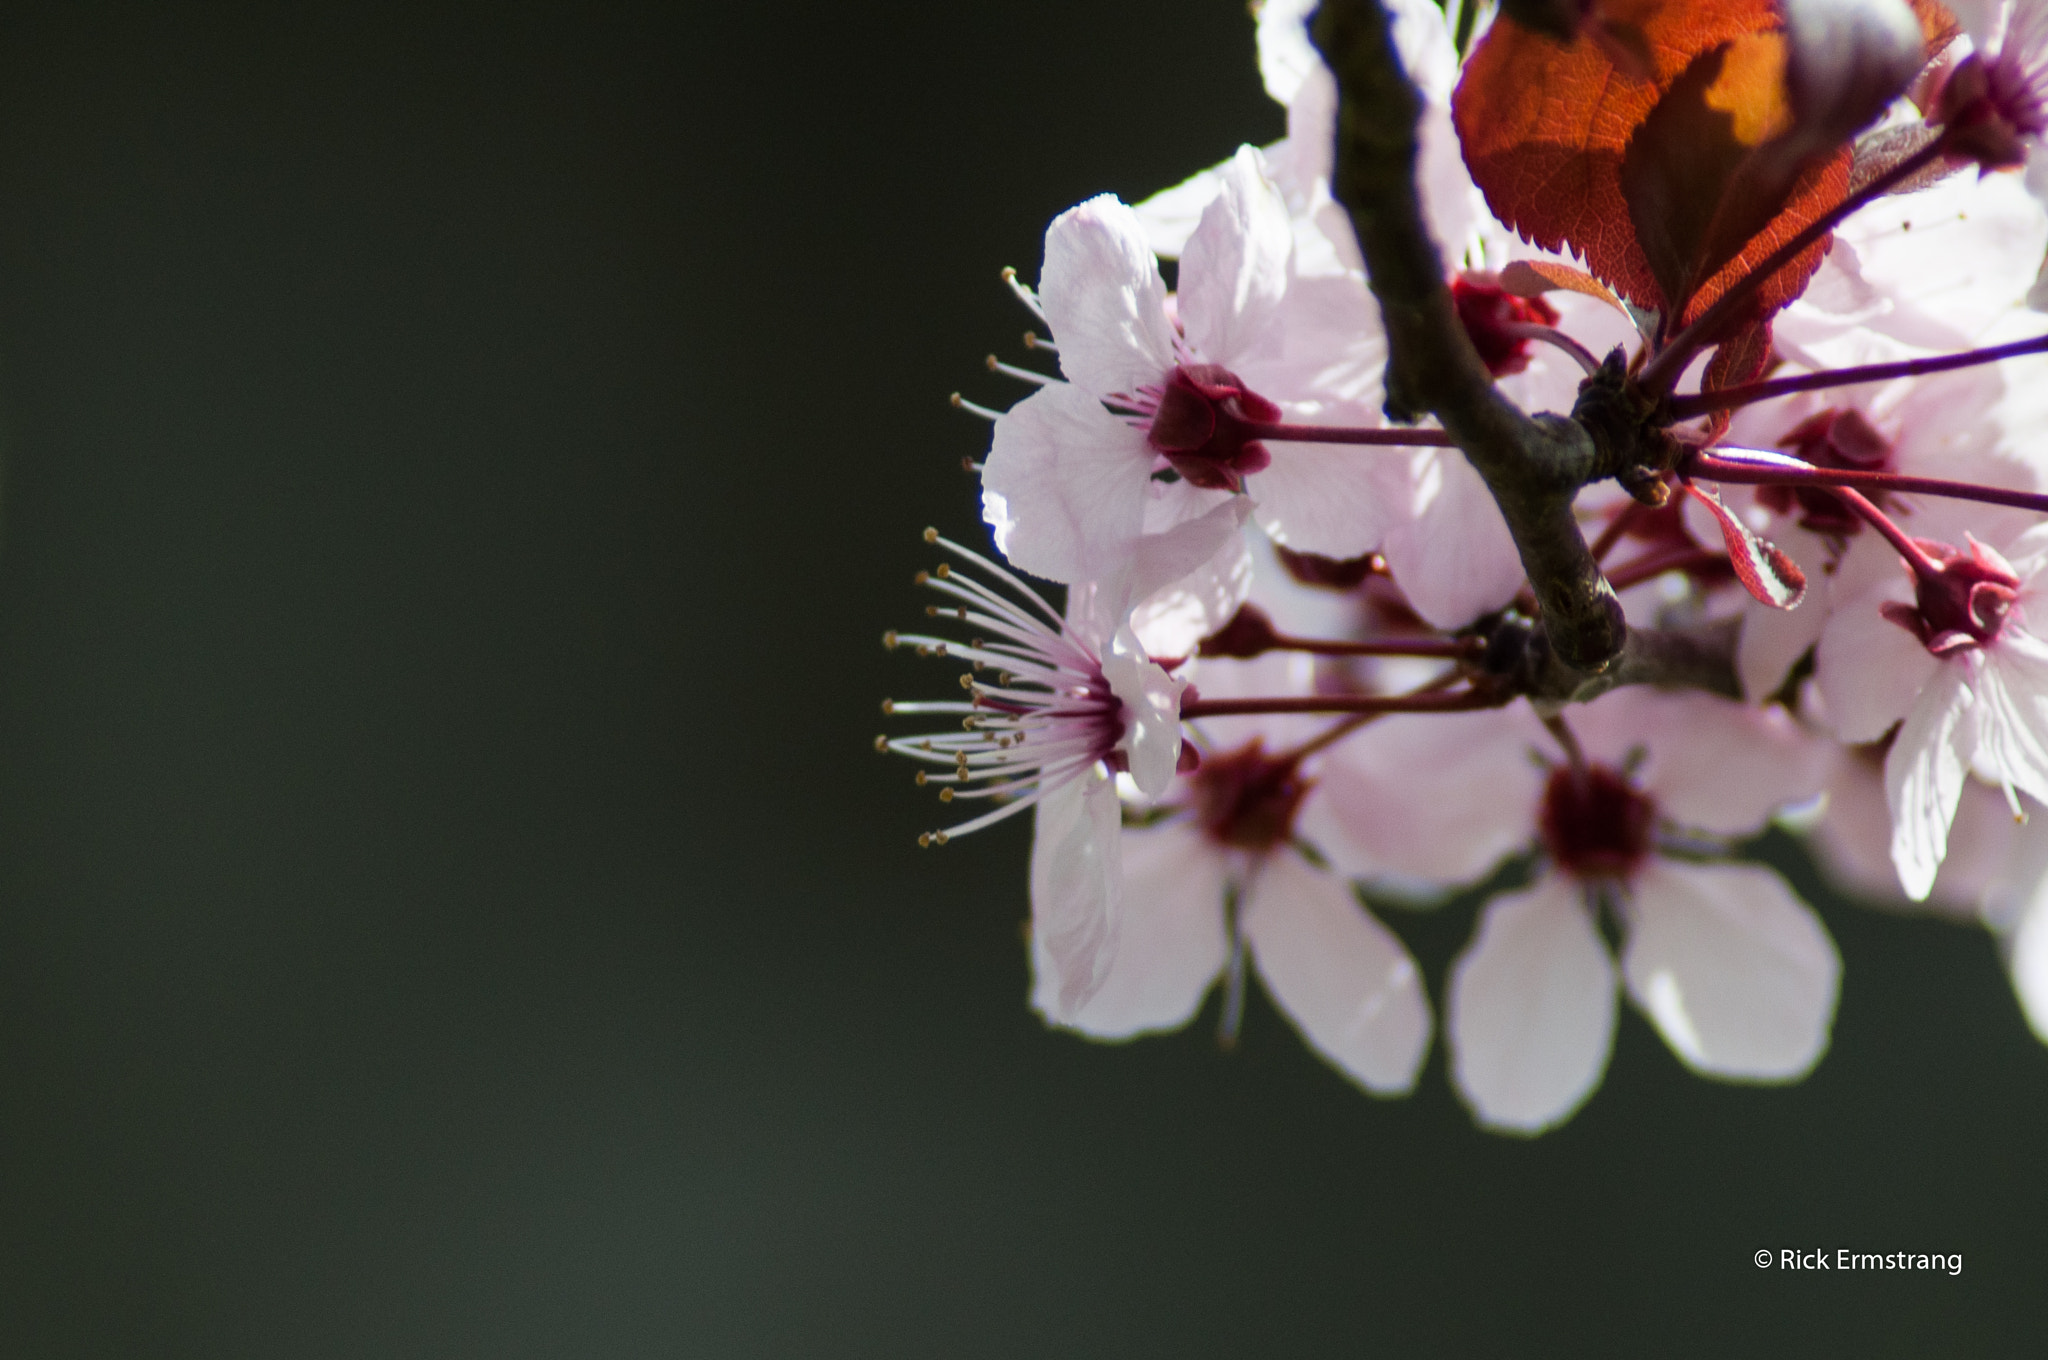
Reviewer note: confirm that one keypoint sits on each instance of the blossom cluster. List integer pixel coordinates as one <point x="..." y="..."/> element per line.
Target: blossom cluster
<point x="1293" y="659"/>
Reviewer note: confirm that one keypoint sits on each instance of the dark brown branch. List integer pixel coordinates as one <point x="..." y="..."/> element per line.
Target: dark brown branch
<point x="1534" y="466"/>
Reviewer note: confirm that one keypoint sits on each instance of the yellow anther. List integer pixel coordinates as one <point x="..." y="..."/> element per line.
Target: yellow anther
<point x="932" y="535"/>
<point x="889" y="639"/>
<point x="882" y="744"/>
<point x="954" y="401"/>
<point x="924" y="840"/>
<point x="945" y="795"/>
<point x="921" y="778"/>
<point x="992" y="362"/>
<point x="944" y="572"/>
<point x="938" y="838"/>
<point x="1009" y="273"/>
<point x="967" y="682"/>
<point x="888" y="705"/>
<point x="1031" y="339"/>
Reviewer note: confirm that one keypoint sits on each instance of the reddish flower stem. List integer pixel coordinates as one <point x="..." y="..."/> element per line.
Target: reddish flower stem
<point x="1347" y="434"/>
<point x="1916" y="556"/>
<point x="1456" y="702"/>
<point x="1707" y="467"/>
<point x="1728" y="398"/>
<point x="1551" y="335"/>
<point x="1652" y="565"/>
<point x="1450" y="648"/>
<point x="1616" y="528"/>
<point x="1663" y="370"/>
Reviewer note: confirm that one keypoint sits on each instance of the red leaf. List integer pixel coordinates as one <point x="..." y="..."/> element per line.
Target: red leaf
<point x="1534" y="278"/>
<point x="1545" y="127"/>
<point x="1763" y="568"/>
<point x="1742" y="357"/>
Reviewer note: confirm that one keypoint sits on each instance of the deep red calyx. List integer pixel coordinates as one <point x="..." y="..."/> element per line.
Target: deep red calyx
<point x="1594" y="823"/>
<point x="1246" y="800"/>
<point x="1489" y="311"/>
<point x="1204" y="426"/>
<point x="1984" y="118"/>
<point x="1961" y="604"/>
<point x="1837" y="439"/>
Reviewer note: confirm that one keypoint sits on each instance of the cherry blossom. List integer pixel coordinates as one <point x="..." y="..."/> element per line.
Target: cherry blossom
<point x="1831" y="395"/>
<point x="1213" y="883"/>
<point x="1072" y="700"/>
<point x="1735" y="972"/>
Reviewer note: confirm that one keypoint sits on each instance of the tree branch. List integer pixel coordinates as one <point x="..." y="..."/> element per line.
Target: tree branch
<point x="1533" y="465"/>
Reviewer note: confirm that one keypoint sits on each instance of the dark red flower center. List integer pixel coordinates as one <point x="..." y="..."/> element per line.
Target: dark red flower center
<point x="1840" y="440"/>
<point x="1205" y="426"/>
<point x="1492" y="316"/>
<point x="1247" y="799"/>
<point x="1962" y="604"/>
<point x="1594" y="823"/>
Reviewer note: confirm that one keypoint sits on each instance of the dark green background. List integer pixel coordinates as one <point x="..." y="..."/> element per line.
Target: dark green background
<point x="459" y="462"/>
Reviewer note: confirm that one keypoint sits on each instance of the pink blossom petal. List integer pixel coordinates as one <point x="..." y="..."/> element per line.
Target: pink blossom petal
<point x="1342" y="977"/>
<point x="1868" y="668"/>
<point x="1171" y="215"/>
<point x="1104" y="299"/>
<point x="1234" y="270"/>
<point x="1923" y="778"/>
<point x="2010" y="717"/>
<point x="1064" y="485"/>
<point x="2027" y="958"/>
<point x="1854" y="838"/>
<point x="1454" y="560"/>
<point x="1709" y="763"/>
<point x="1531" y="1009"/>
<point x="1173" y="619"/>
<point x="1440" y="797"/>
<point x="1330" y="499"/>
<point x="1771" y="643"/>
<point x="1170" y="944"/>
<point x="1734" y="971"/>
<point x="1076" y="886"/>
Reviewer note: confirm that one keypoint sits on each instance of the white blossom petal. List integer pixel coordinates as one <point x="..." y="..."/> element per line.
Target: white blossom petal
<point x="1173" y="619"/>
<point x="1440" y="797"/>
<point x="1340" y="975"/>
<point x="1171" y="943"/>
<point x="1330" y="499"/>
<point x="1076" y="886"/>
<point x="1234" y="270"/>
<point x="1170" y="216"/>
<point x="2027" y="958"/>
<point x="1151" y="700"/>
<point x="1104" y="299"/>
<point x="1868" y="668"/>
<point x="1923" y="778"/>
<point x="1531" y="1009"/>
<point x="1455" y="559"/>
<point x="1708" y="762"/>
<point x="2011" y="714"/>
<point x="1064" y="485"/>
<point x="1734" y="970"/>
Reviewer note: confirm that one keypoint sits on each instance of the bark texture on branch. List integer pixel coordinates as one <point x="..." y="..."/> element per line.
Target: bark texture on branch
<point x="1534" y="465"/>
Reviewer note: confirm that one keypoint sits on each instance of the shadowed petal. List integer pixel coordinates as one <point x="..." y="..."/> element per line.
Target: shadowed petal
<point x="1170" y="940"/>
<point x="1342" y="977"/>
<point x="1734" y="971"/>
<point x="1531" y="1009"/>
